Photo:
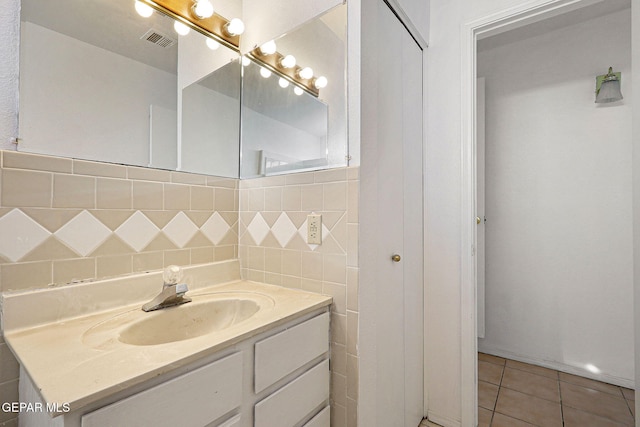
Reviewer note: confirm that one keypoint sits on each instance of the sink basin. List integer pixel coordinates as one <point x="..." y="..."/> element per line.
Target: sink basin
<point x="206" y="314"/>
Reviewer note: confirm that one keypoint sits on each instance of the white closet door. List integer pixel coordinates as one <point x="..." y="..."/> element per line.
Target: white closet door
<point x="400" y="332"/>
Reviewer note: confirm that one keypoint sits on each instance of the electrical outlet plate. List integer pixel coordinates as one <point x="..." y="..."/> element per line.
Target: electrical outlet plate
<point x="314" y="229"/>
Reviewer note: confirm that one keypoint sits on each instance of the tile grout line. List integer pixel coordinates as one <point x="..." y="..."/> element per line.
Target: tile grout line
<point x="560" y="395"/>
<point x="495" y="405"/>
<point x="628" y="403"/>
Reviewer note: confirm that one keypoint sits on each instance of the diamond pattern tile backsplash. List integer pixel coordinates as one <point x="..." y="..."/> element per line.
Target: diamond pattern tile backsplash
<point x="274" y="249"/>
<point x="128" y="220"/>
<point x="84" y="234"/>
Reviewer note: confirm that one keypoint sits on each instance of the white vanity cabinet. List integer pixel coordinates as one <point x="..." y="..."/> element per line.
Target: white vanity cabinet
<point x="197" y="398"/>
<point x="278" y="378"/>
<point x="286" y="353"/>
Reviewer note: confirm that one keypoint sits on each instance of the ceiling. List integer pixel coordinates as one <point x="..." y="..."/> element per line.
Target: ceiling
<point x="577" y="16"/>
<point x="113" y="25"/>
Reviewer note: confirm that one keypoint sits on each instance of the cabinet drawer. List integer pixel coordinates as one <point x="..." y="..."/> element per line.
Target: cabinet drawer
<point x="323" y="419"/>
<point x="293" y="402"/>
<point x="193" y="399"/>
<point x="283" y="353"/>
<point x="233" y="422"/>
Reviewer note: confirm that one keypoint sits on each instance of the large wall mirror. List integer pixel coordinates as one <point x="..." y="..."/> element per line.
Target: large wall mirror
<point x="100" y="82"/>
<point x="284" y="128"/>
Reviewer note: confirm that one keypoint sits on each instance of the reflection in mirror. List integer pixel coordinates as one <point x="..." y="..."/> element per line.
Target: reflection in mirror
<point x="100" y="82"/>
<point x="281" y="131"/>
<point x="285" y="130"/>
<point x="92" y="87"/>
<point x="210" y="141"/>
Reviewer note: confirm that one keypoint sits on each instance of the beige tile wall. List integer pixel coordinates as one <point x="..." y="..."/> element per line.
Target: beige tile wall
<point x="73" y="220"/>
<point x="54" y="193"/>
<point x="272" y="250"/>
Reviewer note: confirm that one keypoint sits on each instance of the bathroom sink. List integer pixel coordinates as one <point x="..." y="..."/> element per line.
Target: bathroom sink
<point x="206" y="314"/>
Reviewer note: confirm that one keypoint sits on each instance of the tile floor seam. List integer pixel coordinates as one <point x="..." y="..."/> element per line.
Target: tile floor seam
<point x="516" y="418"/>
<point x="530" y="394"/>
<point x="594" y="389"/>
<point x="560" y="396"/>
<point x="594" y="414"/>
<point x="533" y="373"/>
<point x="629" y="406"/>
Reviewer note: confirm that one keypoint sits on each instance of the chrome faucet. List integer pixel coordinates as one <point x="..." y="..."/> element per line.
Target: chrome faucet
<point x="172" y="291"/>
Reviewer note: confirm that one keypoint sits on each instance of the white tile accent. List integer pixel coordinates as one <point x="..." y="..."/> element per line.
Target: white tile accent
<point x="20" y="235"/>
<point x="215" y="228"/>
<point x="84" y="233"/>
<point x="137" y="231"/>
<point x="283" y="229"/>
<point x="180" y="229"/>
<point x="303" y="233"/>
<point x="258" y="229"/>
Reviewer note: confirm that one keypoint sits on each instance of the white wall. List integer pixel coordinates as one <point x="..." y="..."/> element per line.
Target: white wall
<point x="266" y="20"/>
<point x="315" y="45"/>
<point x="559" y="264"/>
<point x="196" y="60"/>
<point x="415" y="15"/>
<point x="260" y="132"/>
<point x="9" y="52"/>
<point x="77" y="100"/>
<point x="210" y="131"/>
<point x="635" y="60"/>
<point x="443" y="196"/>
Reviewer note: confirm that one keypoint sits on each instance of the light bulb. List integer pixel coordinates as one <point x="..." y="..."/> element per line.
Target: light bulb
<point x="181" y="28"/>
<point x="143" y="9"/>
<point x="298" y="91"/>
<point x="283" y="82"/>
<point x="235" y="27"/>
<point x="320" y="82"/>
<point x="245" y="61"/>
<point x="202" y="9"/>
<point x="288" y="61"/>
<point x="306" y="73"/>
<point x="212" y="44"/>
<point x="265" y="73"/>
<point x="269" y="48"/>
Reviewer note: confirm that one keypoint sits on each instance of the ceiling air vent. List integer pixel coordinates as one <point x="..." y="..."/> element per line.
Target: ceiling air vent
<point x="158" y="38"/>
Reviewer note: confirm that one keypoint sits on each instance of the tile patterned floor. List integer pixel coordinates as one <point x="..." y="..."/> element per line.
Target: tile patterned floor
<point x="516" y="394"/>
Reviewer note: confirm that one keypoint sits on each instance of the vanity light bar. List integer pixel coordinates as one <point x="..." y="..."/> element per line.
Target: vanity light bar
<point x="273" y="62"/>
<point x="214" y="26"/>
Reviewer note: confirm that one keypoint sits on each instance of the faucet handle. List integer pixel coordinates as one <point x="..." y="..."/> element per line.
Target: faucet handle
<point x="172" y="275"/>
<point x="181" y="289"/>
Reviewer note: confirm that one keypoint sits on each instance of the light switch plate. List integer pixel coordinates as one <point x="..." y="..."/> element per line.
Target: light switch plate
<point x="314" y="229"/>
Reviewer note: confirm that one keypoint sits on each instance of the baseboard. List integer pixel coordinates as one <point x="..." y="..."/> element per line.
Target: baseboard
<point x="443" y="421"/>
<point x="559" y="366"/>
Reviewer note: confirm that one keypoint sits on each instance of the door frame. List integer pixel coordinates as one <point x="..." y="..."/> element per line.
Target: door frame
<point x="472" y="32"/>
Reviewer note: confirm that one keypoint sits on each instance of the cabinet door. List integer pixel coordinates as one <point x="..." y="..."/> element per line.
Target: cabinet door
<point x="194" y="399"/>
